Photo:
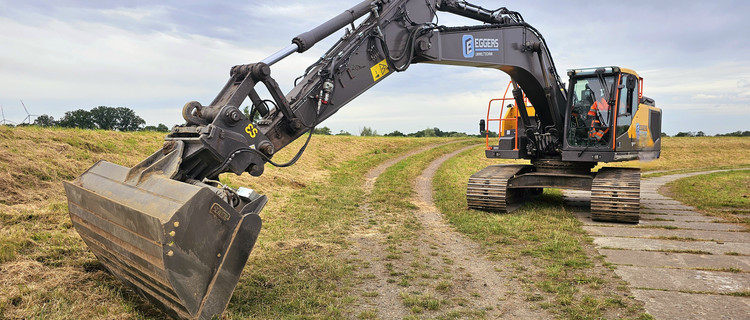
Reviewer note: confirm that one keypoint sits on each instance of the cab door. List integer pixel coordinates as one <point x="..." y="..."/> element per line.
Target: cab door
<point x="627" y="108"/>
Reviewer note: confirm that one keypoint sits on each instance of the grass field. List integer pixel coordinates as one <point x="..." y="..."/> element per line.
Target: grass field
<point x="722" y="194"/>
<point x="297" y="269"/>
<point x="685" y="154"/>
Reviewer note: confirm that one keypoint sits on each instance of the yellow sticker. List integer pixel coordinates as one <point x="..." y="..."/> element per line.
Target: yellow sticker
<point x="379" y="70"/>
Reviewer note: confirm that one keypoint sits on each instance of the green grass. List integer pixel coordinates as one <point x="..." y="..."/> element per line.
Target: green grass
<point x="543" y="238"/>
<point x="299" y="270"/>
<point x="722" y="194"/>
<point x="296" y="269"/>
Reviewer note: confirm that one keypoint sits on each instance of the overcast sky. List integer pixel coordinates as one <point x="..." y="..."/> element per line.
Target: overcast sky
<point x="153" y="56"/>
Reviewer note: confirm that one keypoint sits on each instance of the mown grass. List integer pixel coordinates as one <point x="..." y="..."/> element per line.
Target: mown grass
<point x="295" y="271"/>
<point x="686" y="154"/>
<point x="542" y="240"/>
<point x="722" y="194"/>
<point x="47" y="272"/>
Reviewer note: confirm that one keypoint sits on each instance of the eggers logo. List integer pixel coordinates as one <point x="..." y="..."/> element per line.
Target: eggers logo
<point x="480" y="47"/>
<point x="468" y="45"/>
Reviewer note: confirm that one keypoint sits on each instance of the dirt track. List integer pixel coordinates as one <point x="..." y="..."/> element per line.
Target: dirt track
<point x="476" y="287"/>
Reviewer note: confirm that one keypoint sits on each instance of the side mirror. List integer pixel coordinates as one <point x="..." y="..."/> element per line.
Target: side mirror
<point x="631" y="83"/>
<point x="481" y="126"/>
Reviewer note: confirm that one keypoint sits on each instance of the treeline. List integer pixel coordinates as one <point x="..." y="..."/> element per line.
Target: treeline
<point x="429" y="132"/>
<point x="702" y="134"/>
<point x="101" y="117"/>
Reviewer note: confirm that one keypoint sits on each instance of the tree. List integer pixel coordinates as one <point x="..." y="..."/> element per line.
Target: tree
<point x="367" y="131"/>
<point x="128" y="120"/>
<point x="324" y="131"/>
<point x="737" y="133"/>
<point x="160" y="128"/>
<point x="343" y="133"/>
<point x="429" y="132"/>
<point x="664" y="134"/>
<point x="395" y="134"/>
<point x="45" y="121"/>
<point x="700" y="134"/>
<point x="105" y="118"/>
<point x="77" y="119"/>
<point x="685" y="134"/>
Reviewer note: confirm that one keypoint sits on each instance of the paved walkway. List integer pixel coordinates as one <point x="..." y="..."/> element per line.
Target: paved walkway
<point x="680" y="263"/>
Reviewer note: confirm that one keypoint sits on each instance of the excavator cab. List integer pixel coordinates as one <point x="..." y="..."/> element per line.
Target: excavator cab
<point x="590" y="112"/>
<point x="608" y="118"/>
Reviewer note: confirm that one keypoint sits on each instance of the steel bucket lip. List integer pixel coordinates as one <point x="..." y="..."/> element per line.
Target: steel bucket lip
<point x="242" y="231"/>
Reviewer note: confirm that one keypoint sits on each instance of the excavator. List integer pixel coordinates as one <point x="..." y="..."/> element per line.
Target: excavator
<point x="169" y="229"/>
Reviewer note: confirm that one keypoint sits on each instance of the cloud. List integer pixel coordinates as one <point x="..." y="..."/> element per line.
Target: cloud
<point x="155" y="56"/>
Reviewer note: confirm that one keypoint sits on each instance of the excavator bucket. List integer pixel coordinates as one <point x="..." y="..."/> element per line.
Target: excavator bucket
<point x="181" y="245"/>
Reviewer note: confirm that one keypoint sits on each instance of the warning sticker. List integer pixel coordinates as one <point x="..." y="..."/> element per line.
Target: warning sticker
<point x="379" y="70"/>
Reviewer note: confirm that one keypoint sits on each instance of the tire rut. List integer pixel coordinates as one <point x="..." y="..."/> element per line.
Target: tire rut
<point x="501" y="297"/>
<point x="442" y="272"/>
<point x="369" y="250"/>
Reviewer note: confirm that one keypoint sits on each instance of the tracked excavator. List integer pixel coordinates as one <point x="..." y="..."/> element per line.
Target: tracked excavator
<point x="177" y="236"/>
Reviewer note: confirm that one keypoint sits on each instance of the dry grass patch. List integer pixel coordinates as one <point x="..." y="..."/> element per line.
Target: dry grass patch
<point x="698" y="153"/>
<point x="47" y="272"/>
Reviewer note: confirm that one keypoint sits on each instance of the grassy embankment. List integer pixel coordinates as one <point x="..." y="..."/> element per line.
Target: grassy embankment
<point x="722" y="194"/>
<point x="47" y="272"/>
<point x="295" y="270"/>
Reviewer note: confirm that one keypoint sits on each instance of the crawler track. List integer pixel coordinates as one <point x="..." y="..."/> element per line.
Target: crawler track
<point x="616" y="195"/>
<point x="488" y="189"/>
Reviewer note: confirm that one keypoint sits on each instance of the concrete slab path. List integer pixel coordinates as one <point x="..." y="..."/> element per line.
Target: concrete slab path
<point x="679" y="262"/>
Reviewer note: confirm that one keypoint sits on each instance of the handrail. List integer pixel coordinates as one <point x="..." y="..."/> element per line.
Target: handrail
<point x="501" y="119"/>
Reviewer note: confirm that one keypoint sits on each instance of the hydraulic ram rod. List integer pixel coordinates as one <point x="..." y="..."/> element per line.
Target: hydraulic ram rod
<point x="306" y="40"/>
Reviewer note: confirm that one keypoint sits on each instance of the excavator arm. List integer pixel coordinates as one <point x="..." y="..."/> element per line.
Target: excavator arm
<point x="393" y="36"/>
<point x="181" y="238"/>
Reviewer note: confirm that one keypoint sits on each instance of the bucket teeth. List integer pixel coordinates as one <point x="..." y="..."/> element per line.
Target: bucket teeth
<point x="179" y="245"/>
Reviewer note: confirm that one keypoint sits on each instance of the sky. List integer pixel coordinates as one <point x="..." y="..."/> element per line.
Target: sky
<point x="154" y="56"/>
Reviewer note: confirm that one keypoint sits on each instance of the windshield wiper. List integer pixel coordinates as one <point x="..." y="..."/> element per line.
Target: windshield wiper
<point x="603" y="83"/>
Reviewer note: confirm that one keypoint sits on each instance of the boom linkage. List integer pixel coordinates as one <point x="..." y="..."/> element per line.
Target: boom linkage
<point x="395" y="34"/>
